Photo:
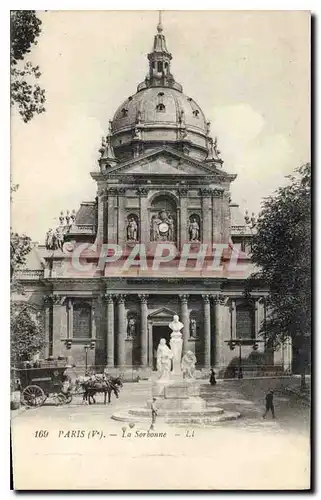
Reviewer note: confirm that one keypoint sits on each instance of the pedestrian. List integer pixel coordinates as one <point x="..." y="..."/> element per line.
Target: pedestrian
<point x="154" y="413"/>
<point x="212" y="377"/>
<point x="269" y="404"/>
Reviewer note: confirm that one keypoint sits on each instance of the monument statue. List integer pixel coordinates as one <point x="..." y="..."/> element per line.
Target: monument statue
<point x="188" y="365"/>
<point x="194" y="230"/>
<point x="164" y="360"/>
<point x="176" y="343"/>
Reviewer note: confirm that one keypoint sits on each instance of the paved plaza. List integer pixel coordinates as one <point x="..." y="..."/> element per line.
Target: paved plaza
<point x="85" y="448"/>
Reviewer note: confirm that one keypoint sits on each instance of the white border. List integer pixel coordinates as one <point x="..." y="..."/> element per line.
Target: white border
<point x="312" y="5"/>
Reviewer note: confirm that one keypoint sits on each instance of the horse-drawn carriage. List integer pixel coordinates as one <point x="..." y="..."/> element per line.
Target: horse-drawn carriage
<point x="39" y="383"/>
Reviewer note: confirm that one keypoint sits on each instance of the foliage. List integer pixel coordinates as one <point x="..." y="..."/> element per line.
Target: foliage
<point x="25" y="94"/>
<point x="282" y="251"/>
<point x="20" y="246"/>
<point x="27" y="334"/>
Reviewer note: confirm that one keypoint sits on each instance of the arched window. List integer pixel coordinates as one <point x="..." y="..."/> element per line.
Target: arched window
<point x="159" y="66"/>
<point x="245" y="321"/>
<point x="81" y="319"/>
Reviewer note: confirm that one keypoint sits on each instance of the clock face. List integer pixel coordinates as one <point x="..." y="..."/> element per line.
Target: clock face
<point x="163" y="227"/>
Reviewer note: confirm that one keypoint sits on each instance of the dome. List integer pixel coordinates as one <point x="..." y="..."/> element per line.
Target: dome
<point x="160" y="113"/>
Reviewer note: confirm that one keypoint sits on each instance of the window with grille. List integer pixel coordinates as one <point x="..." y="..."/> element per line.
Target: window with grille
<point x="245" y="323"/>
<point x="81" y="319"/>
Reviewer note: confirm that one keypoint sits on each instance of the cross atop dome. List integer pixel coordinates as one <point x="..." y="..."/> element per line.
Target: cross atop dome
<point x="160" y="26"/>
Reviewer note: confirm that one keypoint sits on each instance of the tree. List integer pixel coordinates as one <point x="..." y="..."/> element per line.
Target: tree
<point x="27" y="335"/>
<point x="20" y="245"/>
<point x="282" y="251"/>
<point x="25" y="94"/>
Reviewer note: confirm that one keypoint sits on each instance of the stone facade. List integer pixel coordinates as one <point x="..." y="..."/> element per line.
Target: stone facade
<point x="160" y="180"/>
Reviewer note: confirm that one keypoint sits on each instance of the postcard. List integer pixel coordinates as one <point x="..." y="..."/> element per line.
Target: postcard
<point x="160" y="250"/>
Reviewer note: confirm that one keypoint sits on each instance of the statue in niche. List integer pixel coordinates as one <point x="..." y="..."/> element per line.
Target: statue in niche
<point x="164" y="360"/>
<point x="131" y="328"/>
<point x="132" y="229"/>
<point x="194" y="230"/>
<point x="170" y="222"/>
<point x="193" y="328"/>
<point x="155" y="222"/>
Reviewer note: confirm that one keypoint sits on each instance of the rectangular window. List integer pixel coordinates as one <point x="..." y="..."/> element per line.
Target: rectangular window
<point x="81" y="319"/>
<point x="245" y="323"/>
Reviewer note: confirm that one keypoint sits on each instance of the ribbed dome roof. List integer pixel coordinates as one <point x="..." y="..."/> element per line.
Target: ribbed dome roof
<point x="144" y="106"/>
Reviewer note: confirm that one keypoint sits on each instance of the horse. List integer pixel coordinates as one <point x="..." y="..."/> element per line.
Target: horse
<point x="100" y="383"/>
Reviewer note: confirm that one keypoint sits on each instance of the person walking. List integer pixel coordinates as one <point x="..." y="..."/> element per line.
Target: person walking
<point x="269" y="404"/>
<point x="212" y="377"/>
<point x="154" y="413"/>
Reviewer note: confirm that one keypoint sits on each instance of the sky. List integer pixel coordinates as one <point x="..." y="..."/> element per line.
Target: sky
<point x="248" y="70"/>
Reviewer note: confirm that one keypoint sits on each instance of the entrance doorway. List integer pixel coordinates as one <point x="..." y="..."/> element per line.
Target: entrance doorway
<point x="159" y="332"/>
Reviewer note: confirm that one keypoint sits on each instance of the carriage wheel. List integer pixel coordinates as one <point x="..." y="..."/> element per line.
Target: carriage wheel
<point x="33" y="395"/>
<point x="59" y="399"/>
<point x="68" y="399"/>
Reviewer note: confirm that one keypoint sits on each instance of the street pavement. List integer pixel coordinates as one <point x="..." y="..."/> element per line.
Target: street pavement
<point x="86" y="449"/>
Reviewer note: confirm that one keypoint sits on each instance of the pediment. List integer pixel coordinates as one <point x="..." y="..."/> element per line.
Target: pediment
<point x="164" y="161"/>
<point x="163" y="313"/>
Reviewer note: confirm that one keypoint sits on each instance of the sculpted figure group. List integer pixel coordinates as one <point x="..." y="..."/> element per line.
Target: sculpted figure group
<point x="55" y="239"/>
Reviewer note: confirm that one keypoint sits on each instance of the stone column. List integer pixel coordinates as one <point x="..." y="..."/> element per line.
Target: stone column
<point x="185" y="321"/>
<point x="143" y="217"/>
<point x="111" y="212"/>
<point x="143" y="330"/>
<point x="93" y="319"/>
<point x="217" y="196"/>
<point x="183" y="222"/>
<point x="226" y="217"/>
<point x="233" y="319"/>
<point x="47" y="325"/>
<point x="121" y="316"/>
<point x="218" y="302"/>
<point x="59" y="323"/>
<point x="110" y="330"/>
<point x="121" y="216"/>
<point x="69" y="317"/>
<point x="206" y="195"/>
<point x="100" y="235"/>
<point x="207" y="331"/>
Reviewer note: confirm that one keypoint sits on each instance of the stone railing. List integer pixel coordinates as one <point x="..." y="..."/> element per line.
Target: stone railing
<point x="82" y="229"/>
<point x="26" y="274"/>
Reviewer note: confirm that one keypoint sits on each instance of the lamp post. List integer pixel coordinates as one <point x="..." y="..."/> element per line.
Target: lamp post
<point x="86" y="347"/>
<point x="232" y="344"/>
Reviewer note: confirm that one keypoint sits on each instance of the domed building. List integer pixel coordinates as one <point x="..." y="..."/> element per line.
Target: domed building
<point x="158" y="240"/>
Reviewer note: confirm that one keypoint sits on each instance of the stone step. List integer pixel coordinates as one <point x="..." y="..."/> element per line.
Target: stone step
<point x="215" y="419"/>
<point x="145" y="412"/>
